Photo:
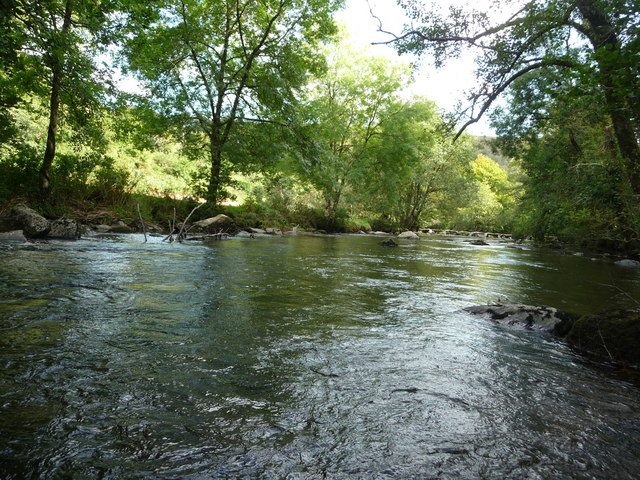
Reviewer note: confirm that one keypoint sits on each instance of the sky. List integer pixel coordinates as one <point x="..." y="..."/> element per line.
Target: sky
<point x="447" y="85"/>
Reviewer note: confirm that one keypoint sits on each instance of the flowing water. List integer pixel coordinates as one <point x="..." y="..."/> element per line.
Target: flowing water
<point x="303" y="358"/>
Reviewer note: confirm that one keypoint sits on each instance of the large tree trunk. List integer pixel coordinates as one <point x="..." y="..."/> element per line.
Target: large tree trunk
<point x="606" y="46"/>
<point x="57" y="75"/>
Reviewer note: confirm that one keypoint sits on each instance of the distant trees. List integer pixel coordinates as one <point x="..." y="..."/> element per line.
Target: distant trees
<point x="226" y="88"/>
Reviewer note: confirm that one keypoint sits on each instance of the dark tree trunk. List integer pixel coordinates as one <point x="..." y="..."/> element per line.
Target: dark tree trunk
<point x="606" y="44"/>
<point x="57" y="75"/>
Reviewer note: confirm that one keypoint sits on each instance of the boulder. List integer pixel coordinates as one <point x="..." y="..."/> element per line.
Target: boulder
<point x="478" y="242"/>
<point x="273" y="231"/>
<point x="409" y="235"/>
<point x="121" y="227"/>
<point x="259" y="231"/>
<point x="102" y="228"/>
<point x="21" y="217"/>
<point x="389" y="243"/>
<point x="611" y="336"/>
<point x="64" y="228"/>
<point x="213" y="223"/>
<point x="527" y="317"/>
<point x="13" y="236"/>
<point x="628" y="263"/>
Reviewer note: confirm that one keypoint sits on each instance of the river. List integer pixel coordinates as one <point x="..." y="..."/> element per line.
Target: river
<point x="303" y="358"/>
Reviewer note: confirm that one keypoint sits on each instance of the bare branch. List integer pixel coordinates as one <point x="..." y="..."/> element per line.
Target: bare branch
<point x="505" y="84"/>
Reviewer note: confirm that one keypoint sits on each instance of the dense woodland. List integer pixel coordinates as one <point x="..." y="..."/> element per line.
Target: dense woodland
<point x="266" y="109"/>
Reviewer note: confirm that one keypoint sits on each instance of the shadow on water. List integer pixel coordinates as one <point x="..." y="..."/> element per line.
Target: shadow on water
<point x="301" y="357"/>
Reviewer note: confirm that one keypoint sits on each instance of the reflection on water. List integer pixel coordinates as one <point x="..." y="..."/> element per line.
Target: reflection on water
<point x="302" y="357"/>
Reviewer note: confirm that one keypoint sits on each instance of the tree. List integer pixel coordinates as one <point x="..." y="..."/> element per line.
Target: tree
<point x="212" y="65"/>
<point x="345" y="115"/>
<point x="588" y="38"/>
<point x="50" y="48"/>
<point x="575" y="184"/>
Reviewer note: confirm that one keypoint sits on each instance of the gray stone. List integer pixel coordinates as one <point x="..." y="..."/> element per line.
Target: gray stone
<point x="628" y="263"/>
<point x="273" y="231"/>
<point x="259" y="231"/>
<point x="210" y="222"/>
<point x="64" y="228"/>
<point x="409" y="235"/>
<point x="121" y="227"/>
<point x="13" y="236"/>
<point x="527" y="317"/>
<point x="21" y="217"/>
<point x="102" y="228"/>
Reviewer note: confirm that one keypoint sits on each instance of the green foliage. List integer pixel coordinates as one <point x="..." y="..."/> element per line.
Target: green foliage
<point x="214" y="66"/>
<point x="576" y="184"/>
<point x="346" y="111"/>
<point x="573" y="109"/>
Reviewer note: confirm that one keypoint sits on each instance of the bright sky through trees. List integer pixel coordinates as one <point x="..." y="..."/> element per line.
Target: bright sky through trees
<point x="447" y="85"/>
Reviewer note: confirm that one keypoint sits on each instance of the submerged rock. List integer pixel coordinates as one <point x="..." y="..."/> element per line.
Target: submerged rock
<point x="389" y="243"/>
<point x="628" y="263"/>
<point x="527" y="317"/>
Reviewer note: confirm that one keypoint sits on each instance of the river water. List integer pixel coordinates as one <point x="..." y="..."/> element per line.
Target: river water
<point x="303" y="358"/>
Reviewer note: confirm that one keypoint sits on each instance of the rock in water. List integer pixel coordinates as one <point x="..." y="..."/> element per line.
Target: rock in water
<point x="389" y="243"/>
<point x="64" y="228"/>
<point x="13" y="236"/>
<point x="216" y="224"/>
<point x="547" y="319"/>
<point x="628" y="263"/>
<point x="21" y="217"/>
<point x="409" y="235"/>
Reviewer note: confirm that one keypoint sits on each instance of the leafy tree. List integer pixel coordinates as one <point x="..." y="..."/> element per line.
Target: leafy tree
<point x="347" y="112"/>
<point x="50" y="47"/>
<point x="575" y="184"/>
<point x="212" y="66"/>
<point x="415" y="163"/>
<point x="589" y="39"/>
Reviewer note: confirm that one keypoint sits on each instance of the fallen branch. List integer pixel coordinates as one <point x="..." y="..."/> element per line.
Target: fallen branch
<point x="322" y="374"/>
<point x="187" y="219"/>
